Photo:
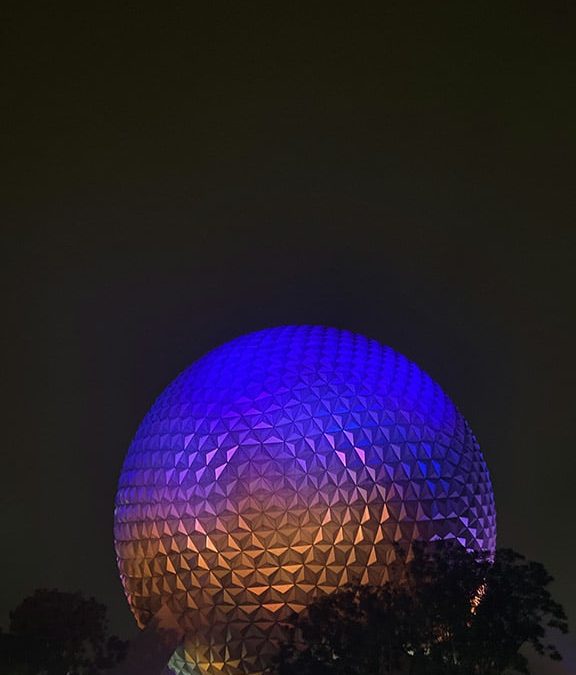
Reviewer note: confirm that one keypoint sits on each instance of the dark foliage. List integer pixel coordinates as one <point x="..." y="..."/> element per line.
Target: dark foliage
<point x="57" y="633"/>
<point x="444" y="612"/>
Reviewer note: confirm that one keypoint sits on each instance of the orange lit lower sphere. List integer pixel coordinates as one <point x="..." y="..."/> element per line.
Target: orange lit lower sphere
<point x="281" y="466"/>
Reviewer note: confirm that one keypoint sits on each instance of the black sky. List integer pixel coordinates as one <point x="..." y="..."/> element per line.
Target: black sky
<point x="176" y="175"/>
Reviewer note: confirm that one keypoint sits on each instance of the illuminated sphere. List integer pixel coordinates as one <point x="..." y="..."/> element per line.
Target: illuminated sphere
<point x="281" y="466"/>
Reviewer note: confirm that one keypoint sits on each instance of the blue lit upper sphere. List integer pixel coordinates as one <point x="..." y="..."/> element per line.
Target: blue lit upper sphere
<point x="282" y="465"/>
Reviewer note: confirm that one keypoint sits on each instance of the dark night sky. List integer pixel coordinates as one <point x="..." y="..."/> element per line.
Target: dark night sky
<point x="176" y="177"/>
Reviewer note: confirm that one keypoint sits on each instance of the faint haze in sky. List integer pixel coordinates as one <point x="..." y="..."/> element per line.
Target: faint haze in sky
<point x="175" y="178"/>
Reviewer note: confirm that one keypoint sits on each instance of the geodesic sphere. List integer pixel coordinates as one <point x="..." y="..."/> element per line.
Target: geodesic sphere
<point x="280" y="466"/>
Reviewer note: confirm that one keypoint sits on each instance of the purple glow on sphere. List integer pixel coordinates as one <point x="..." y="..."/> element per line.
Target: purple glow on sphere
<point x="282" y="465"/>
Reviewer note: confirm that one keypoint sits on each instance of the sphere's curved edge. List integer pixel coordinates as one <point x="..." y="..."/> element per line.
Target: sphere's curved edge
<point x="283" y="464"/>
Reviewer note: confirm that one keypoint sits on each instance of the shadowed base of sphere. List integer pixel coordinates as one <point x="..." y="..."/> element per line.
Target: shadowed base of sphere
<point x="181" y="663"/>
<point x="190" y="658"/>
<point x="159" y="649"/>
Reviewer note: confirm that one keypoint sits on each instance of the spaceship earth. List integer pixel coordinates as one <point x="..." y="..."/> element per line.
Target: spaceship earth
<point x="281" y="466"/>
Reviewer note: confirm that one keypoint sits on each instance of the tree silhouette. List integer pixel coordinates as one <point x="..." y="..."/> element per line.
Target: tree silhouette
<point x="57" y="633"/>
<point x="445" y="611"/>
